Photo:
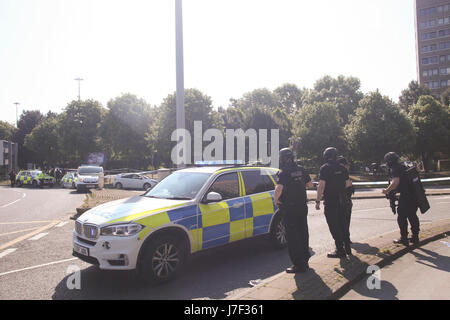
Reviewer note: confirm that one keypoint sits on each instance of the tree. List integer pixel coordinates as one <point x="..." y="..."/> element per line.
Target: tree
<point x="43" y="141"/>
<point x="198" y="107"/>
<point x="411" y="95"/>
<point x="316" y="127"/>
<point x="431" y="120"/>
<point x="27" y="122"/>
<point x="378" y="126"/>
<point x="7" y="131"/>
<point x="123" y="131"/>
<point x="78" y="129"/>
<point x="290" y="97"/>
<point x="445" y="98"/>
<point x="343" y="92"/>
<point x="258" y="98"/>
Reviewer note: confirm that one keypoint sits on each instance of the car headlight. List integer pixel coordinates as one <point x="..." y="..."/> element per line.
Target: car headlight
<point x="121" y="230"/>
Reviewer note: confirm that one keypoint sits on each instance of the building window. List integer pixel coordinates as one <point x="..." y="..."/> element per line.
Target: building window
<point x="444" y="71"/>
<point x="430" y="48"/>
<point x="444" y="33"/>
<point x="427" y="11"/>
<point x="429" y="35"/>
<point x="433" y="84"/>
<point x="445" y="83"/>
<point x="445" y="58"/>
<point x="444" y="45"/>
<point x="430" y="60"/>
<point x="430" y="72"/>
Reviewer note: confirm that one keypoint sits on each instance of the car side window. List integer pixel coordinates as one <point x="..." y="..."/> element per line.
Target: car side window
<point x="256" y="182"/>
<point x="227" y="185"/>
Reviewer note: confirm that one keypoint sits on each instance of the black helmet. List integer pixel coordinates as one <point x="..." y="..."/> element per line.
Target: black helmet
<point x="391" y="158"/>
<point x="342" y="160"/>
<point x="330" y="154"/>
<point x="286" y="155"/>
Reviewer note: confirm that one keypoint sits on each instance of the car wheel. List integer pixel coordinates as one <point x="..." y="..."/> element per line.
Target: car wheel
<point x="119" y="185"/>
<point x="163" y="259"/>
<point x="19" y="183"/>
<point x="278" y="232"/>
<point x="147" y="186"/>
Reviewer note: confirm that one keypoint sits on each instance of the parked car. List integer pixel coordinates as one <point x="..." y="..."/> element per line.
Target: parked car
<point x="190" y="210"/>
<point x="36" y="178"/>
<point x="133" y="181"/>
<point x="69" y="180"/>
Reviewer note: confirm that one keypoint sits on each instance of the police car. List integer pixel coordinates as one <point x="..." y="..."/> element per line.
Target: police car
<point x="36" y="178"/>
<point x="69" y="180"/>
<point x="190" y="210"/>
<point x="88" y="177"/>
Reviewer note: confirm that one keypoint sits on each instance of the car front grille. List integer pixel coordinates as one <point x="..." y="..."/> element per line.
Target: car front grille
<point x="87" y="230"/>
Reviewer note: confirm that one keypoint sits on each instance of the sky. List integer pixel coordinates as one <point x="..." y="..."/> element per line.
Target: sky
<point x="230" y="47"/>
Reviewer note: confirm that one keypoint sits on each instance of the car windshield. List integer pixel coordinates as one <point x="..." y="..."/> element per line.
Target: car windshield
<point x="90" y="170"/>
<point x="179" y="186"/>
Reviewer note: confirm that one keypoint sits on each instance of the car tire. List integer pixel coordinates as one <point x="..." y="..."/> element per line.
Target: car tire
<point x="147" y="186"/>
<point x="162" y="260"/>
<point x="278" y="232"/>
<point x="119" y="185"/>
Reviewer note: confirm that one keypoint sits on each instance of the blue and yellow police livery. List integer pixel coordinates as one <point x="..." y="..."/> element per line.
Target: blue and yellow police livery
<point x="36" y="178"/>
<point x="69" y="180"/>
<point x="191" y="210"/>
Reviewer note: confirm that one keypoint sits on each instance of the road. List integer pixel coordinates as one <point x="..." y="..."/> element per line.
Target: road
<point x="40" y="268"/>
<point x="423" y="274"/>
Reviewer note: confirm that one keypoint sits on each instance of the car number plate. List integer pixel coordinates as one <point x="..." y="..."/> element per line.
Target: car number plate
<point x="90" y="185"/>
<point x="81" y="250"/>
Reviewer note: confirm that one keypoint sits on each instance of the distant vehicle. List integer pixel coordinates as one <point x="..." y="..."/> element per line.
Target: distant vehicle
<point x="88" y="177"/>
<point x="133" y="181"/>
<point x="69" y="180"/>
<point x="36" y="178"/>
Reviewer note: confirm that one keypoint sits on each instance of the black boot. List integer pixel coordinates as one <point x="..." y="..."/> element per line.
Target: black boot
<point x="338" y="253"/>
<point x="298" y="269"/>
<point x="415" y="239"/>
<point x="402" y="240"/>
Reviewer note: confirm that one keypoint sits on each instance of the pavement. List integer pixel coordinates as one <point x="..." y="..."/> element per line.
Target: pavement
<point x="428" y="266"/>
<point x="331" y="278"/>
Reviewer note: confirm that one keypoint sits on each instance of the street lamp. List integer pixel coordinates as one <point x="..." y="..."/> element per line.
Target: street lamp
<point x="17" y="114"/>
<point x="79" y="81"/>
<point x="180" y="116"/>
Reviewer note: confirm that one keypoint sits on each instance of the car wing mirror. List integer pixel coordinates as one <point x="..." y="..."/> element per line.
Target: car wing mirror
<point x="213" y="197"/>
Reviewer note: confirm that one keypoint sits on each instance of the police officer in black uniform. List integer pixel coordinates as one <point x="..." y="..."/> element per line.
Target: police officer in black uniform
<point x="349" y="191"/>
<point x="333" y="181"/>
<point x="290" y="197"/>
<point x="407" y="202"/>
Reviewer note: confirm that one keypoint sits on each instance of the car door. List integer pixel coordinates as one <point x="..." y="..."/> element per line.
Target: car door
<point x="223" y="221"/>
<point x="259" y="203"/>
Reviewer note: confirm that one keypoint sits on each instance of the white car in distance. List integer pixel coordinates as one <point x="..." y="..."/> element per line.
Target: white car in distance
<point x="133" y="181"/>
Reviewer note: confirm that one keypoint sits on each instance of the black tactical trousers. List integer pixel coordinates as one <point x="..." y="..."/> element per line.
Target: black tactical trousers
<point x="347" y="217"/>
<point x="296" y="222"/>
<point x="338" y="220"/>
<point x="407" y="211"/>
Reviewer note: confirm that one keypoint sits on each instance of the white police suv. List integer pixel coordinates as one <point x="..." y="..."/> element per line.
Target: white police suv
<point x="190" y="210"/>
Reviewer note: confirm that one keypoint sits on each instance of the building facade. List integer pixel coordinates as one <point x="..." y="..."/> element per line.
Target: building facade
<point x="433" y="44"/>
<point x="8" y="157"/>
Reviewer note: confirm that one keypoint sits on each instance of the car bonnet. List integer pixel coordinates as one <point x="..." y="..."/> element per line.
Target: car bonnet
<point x="129" y="209"/>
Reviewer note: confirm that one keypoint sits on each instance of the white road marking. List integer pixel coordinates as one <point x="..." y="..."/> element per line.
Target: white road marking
<point x="38" y="266"/>
<point x="62" y="224"/>
<point x="38" y="236"/>
<point x="8" y="204"/>
<point x="6" y="252"/>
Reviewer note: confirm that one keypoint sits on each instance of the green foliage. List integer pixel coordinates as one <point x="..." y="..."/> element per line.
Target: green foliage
<point x="431" y="120"/>
<point x="78" y="129"/>
<point x="7" y="131"/>
<point x="123" y="129"/>
<point x="343" y="92"/>
<point x="411" y="95"/>
<point x="43" y="142"/>
<point x="316" y="127"/>
<point x="379" y="126"/>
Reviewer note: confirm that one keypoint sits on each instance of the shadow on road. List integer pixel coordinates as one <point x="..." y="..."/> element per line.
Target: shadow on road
<point x="210" y="274"/>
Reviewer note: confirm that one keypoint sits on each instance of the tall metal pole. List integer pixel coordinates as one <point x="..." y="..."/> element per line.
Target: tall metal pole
<point x="180" y="67"/>
<point x="79" y="86"/>
<point x="17" y="114"/>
